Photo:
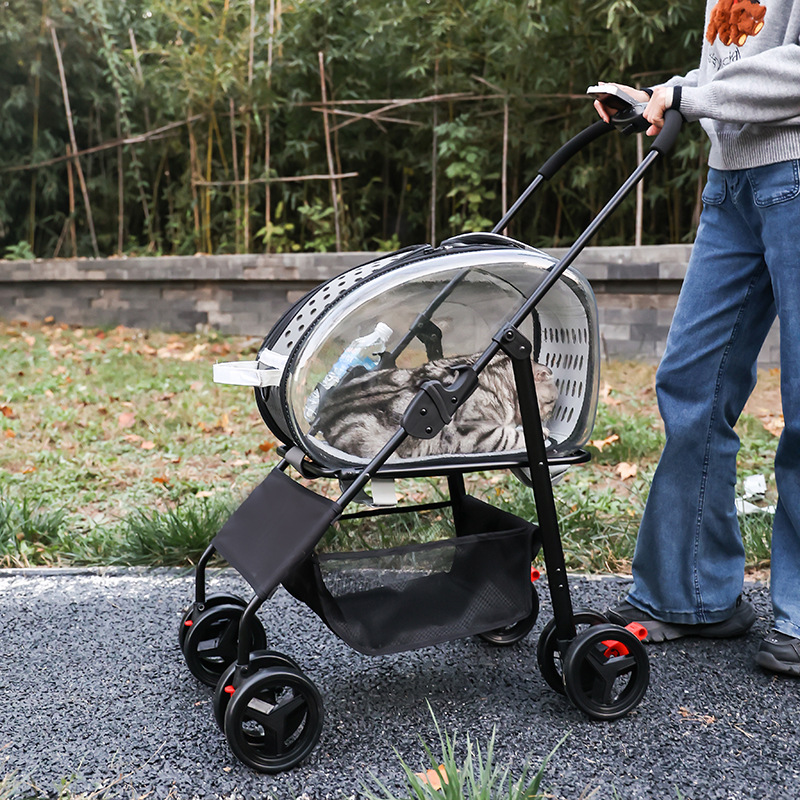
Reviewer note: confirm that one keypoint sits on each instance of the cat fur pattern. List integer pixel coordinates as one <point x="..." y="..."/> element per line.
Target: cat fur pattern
<point x="360" y="415"/>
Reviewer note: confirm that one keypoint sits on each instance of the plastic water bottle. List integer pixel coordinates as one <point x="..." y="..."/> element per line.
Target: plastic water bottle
<point x="360" y="352"/>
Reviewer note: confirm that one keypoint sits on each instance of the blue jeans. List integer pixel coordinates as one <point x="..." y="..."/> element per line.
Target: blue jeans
<point x="745" y="267"/>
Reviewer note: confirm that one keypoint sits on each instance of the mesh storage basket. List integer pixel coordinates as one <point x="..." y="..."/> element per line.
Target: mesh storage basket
<point x="403" y="598"/>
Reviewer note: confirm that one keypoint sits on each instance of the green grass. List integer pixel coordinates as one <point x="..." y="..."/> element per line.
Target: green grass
<point x="475" y="777"/>
<point x="117" y="447"/>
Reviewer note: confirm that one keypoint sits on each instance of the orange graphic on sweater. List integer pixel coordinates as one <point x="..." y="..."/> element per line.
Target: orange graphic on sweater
<point x="734" y="20"/>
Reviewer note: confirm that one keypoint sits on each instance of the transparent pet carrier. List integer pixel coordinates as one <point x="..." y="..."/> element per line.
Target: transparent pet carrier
<point x="442" y="304"/>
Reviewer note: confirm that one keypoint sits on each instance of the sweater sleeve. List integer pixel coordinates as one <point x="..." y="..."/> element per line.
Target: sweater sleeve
<point x="762" y="88"/>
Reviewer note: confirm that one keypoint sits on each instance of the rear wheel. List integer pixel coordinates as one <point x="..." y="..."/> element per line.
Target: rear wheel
<point x="549" y="656"/>
<point x="511" y="634"/>
<point x="212" y="642"/>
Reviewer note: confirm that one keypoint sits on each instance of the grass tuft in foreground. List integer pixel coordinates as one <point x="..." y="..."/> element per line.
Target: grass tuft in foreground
<point x="477" y="777"/>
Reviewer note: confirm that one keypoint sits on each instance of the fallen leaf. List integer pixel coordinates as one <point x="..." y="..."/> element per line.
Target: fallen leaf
<point x="265" y="447"/>
<point x="162" y="479"/>
<point x="126" y="419"/>
<point x="148" y="445"/>
<point x="601" y="443"/>
<point x="774" y="424"/>
<point x="6" y="411"/>
<point x="434" y="778"/>
<point x="9" y="434"/>
<point x="626" y="470"/>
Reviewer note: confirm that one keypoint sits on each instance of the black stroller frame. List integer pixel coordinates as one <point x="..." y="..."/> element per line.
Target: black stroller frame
<point x="270" y="711"/>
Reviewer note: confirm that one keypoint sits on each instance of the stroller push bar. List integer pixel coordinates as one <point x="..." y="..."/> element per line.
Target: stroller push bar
<point x="450" y="305"/>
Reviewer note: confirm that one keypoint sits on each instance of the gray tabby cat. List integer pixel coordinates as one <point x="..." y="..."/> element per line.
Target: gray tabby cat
<point x="363" y="413"/>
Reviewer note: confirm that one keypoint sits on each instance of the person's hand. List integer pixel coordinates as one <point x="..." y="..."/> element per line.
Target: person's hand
<point x="657" y="105"/>
<point x="608" y="111"/>
<point x="660" y="101"/>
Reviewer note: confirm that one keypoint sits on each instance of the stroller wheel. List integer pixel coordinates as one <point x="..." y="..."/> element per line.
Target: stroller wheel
<point x="606" y="671"/>
<point x="217" y="599"/>
<point x="547" y="653"/>
<point x="260" y="659"/>
<point x="511" y="634"/>
<point x="212" y="641"/>
<point x="274" y="719"/>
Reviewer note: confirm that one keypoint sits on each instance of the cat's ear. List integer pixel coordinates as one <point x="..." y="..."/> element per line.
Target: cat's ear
<point x="541" y="372"/>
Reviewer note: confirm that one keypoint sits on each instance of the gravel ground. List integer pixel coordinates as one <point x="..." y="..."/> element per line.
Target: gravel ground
<point x="92" y="684"/>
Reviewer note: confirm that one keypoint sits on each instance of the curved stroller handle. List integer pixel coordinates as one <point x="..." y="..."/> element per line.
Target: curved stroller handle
<point x="573" y="146"/>
<point x="665" y="140"/>
<point x="553" y="165"/>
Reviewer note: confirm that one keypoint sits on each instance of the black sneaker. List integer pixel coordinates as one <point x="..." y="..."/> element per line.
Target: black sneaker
<point x="738" y="623"/>
<point x="780" y="653"/>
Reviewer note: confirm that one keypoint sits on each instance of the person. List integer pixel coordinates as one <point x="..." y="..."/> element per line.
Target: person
<point x="688" y="566"/>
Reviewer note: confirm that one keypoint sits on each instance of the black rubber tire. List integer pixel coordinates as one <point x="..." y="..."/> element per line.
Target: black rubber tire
<point x="606" y="671"/>
<point x="274" y="719"/>
<point x="548" y="655"/>
<point x="260" y="659"/>
<point x="218" y="599"/>
<point x="511" y="634"/>
<point x="212" y="642"/>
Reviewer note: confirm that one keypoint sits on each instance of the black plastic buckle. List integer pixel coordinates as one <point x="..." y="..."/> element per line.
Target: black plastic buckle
<point x="435" y="404"/>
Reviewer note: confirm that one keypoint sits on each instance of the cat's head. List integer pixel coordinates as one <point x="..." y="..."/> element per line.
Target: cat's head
<point x="546" y="389"/>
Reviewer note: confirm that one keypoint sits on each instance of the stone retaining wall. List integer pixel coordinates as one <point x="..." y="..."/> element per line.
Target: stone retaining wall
<point x="636" y="291"/>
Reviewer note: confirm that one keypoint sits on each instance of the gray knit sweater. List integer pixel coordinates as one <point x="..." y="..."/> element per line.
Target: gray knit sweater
<point x="746" y="91"/>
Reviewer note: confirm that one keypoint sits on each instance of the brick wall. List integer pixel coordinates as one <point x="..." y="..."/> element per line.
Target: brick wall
<point x="636" y="291"/>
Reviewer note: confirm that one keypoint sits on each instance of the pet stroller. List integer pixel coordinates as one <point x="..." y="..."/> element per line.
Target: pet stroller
<point x="463" y="307"/>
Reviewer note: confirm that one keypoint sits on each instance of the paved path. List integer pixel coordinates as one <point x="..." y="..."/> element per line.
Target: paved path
<point x="92" y="683"/>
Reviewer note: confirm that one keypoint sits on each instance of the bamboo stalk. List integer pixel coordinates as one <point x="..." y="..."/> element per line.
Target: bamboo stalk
<point x="267" y="126"/>
<point x="193" y="171"/>
<point x="206" y="192"/>
<point x="71" y="189"/>
<point x="73" y="141"/>
<point x="434" y="155"/>
<point x="155" y="134"/>
<point x="290" y="179"/>
<point x="247" y="131"/>
<point x="504" y="167"/>
<point x="329" y="152"/>
<point x="120" y="191"/>
<point x="237" y="192"/>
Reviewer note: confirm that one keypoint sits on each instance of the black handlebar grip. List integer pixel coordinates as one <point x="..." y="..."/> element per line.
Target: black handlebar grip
<point x="574" y="145"/>
<point x="669" y="133"/>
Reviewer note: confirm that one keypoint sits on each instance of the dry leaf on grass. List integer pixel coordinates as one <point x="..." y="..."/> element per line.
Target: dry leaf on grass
<point x="433" y="777"/>
<point x="601" y="443"/>
<point x="626" y="470"/>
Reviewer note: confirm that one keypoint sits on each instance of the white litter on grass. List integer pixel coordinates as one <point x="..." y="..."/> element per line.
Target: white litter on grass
<point x="744" y="507"/>
<point x="754" y="486"/>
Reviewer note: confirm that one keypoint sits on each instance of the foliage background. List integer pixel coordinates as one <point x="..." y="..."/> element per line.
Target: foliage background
<point x="190" y="116"/>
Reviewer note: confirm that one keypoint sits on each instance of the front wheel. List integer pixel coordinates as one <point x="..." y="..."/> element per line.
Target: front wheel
<point x="274" y="719"/>
<point x="606" y="671"/>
